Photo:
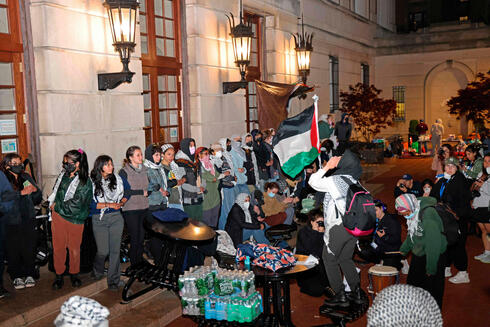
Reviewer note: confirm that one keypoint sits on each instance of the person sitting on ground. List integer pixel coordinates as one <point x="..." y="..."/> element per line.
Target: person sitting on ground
<point x="386" y="240"/>
<point x="474" y="163"/>
<point x="310" y="242"/>
<point x="427" y="186"/>
<point x="339" y="244"/>
<point x="276" y="211"/>
<point x="406" y="184"/>
<point x="481" y="207"/>
<point x="243" y="221"/>
<point x="427" y="243"/>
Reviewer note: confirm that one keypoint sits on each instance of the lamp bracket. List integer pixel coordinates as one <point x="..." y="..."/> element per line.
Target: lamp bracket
<point x="230" y="87"/>
<point x="108" y="81"/>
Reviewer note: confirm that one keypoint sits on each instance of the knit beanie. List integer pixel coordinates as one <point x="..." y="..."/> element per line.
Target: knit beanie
<point x="167" y="146"/>
<point x="404" y="305"/>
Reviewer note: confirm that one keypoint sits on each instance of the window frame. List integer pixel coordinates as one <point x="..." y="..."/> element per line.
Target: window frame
<point x="333" y="84"/>
<point x="399" y="97"/>
<point x="155" y="65"/>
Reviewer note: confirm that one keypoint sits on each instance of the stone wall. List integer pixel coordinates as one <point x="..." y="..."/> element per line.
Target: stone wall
<point x="72" y="43"/>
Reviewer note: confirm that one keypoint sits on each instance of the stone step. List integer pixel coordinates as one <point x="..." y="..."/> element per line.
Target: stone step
<point x="160" y="311"/>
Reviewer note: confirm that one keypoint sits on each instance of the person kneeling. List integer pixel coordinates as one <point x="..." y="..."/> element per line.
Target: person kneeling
<point x="310" y="242"/>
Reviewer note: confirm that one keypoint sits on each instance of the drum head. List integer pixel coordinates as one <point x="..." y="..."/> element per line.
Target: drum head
<point x="383" y="270"/>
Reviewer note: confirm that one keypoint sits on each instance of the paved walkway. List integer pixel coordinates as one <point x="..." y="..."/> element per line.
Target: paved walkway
<point x="464" y="304"/>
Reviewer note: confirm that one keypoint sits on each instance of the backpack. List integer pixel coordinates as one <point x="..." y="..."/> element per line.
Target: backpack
<point x="359" y="218"/>
<point x="449" y="221"/>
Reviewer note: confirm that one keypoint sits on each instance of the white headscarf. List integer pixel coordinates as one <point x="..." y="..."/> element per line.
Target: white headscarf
<point x="240" y="200"/>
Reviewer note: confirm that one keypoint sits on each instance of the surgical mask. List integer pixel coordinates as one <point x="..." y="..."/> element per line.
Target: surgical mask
<point x="488" y="170"/>
<point x="192" y="150"/>
<point x="218" y="154"/>
<point x="427" y="190"/>
<point x="322" y="149"/>
<point x="249" y="143"/>
<point x="69" y="167"/>
<point x="410" y="216"/>
<point x="246" y="205"/>
<point x="228" y="148"/>
<point x="447" y="176"/>
<point x="271" y="194"/>
<point x="17" y="169"/>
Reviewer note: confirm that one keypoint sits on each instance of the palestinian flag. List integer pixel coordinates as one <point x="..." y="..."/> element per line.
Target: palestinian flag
<point x="297" y="143"/>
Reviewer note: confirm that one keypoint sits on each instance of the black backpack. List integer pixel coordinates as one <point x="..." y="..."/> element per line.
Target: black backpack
<point x="449" y="221"/>
<point x="359" y="218"/>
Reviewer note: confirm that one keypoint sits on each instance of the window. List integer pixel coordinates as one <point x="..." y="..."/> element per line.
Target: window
<point x="365" y="74"/>
<point x="13" y="134"/>
<point x="334" y="83"/>
<point x="399" y="97"/>
<point x="160" y="56"/>
<point x="253" y="72"/>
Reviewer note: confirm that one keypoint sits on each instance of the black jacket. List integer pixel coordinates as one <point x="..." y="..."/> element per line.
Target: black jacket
<point x="23" y="205"/>
<point x="309" y="242"/>
<point x="391" y="241"/>
<point x="456" y="194"/>
<point x="236" y="223"/>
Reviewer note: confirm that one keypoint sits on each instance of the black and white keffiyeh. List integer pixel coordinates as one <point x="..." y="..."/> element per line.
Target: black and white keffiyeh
<point x="70" y="192"/>
<point x="108" y="195"/>
<point x="79" y="311"/>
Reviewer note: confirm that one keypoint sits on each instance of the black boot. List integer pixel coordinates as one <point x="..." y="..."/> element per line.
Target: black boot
<point x="356" y="295"/>
<point x="58" y="282"/>
<point x="339" y="300"/>
<point x="75" y="281"/>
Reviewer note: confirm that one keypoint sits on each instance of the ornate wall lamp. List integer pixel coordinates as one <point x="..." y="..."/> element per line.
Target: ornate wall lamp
<point x="122" y="17"/>
<point x="303" y="49"/>
<point x="241" y="37"/>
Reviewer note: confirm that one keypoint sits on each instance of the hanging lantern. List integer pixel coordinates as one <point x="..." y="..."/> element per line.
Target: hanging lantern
<point x="304" y="47"/>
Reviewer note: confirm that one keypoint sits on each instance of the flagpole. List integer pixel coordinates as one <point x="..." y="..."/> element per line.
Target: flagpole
<point x="315" y="102"/>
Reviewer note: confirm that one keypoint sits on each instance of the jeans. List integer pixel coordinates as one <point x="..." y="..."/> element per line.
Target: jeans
<point x="107" y="234"/>
<point x="176" y="206"/>
<point x="258" y="234"/>
<point x="289" y="216"/>
<point x="134" y="221"/>
<point x="226" y="204"/>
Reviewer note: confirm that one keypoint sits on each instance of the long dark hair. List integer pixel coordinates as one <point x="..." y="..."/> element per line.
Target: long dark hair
<point x="81" y="157"/>
<point x="129" y="153"/>
<point x="96" y="175"/>
<point x="17" y="183"/>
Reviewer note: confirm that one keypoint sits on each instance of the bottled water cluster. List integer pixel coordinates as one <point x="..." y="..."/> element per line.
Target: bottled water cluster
<point x="220" y="294"/>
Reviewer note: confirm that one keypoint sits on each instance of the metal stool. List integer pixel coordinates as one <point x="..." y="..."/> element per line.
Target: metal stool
<point x="277" y="234"/>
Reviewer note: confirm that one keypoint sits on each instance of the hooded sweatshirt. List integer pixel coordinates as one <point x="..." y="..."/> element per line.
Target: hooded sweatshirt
<point x="343" y="129"/>
<point x="238" y="158"/>
<point x="335" y="189"/>
<point x="428" y="239"/>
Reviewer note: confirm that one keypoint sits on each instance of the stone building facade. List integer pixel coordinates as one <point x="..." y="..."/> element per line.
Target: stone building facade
<point x="184" y="54"/>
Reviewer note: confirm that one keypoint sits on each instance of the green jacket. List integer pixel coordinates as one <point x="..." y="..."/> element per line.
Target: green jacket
<point x="475" y="169"/>
<point x="324" y="130"/>
<point x="428" y="239"/>
<point x="211" y="197"/>
<point x="77" y="209"/>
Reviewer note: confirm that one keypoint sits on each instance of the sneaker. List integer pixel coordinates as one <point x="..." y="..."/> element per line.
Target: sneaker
<point x="3" y="292"/>
<point x="460" y="278"/>
<point x="485" y="259"/>
<point x="30" y="282"/>
<point x="448" y="273"/>
<point x="19" y="284"/>
<point x="481" y="256"/>
<point x="406" y="267"/>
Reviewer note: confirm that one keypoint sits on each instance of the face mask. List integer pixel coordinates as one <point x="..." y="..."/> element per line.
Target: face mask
<point x="218" y="154"/>
<point x="246" y="205"/>
<point x="258" y="139"/>
<point x="410" y="216"/>
<point x="192" y="150"/>
<point x="17" y="169"/>
<point x="488" y="170"/>
<point x="228" y="148"/>
<point x="271" y="194"/>
<point x="69" y="167"/>
<point x="427" y="190"/>
<point x="249" y="143"/>
<point x="322" y="149"/>
<point x="447" y="176"/>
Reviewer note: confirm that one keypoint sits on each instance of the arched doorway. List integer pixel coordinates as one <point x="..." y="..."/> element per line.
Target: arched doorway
<point x="441" y="83"/>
